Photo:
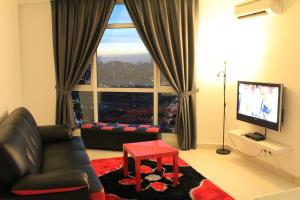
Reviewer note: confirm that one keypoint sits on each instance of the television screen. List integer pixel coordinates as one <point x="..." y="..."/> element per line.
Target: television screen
<point x="260" y="104"/>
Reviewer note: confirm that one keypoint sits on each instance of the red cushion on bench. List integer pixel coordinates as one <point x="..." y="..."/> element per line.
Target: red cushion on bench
<point x="152" y="130"/>
<point x="107" y="128"/>
<point x="129" y="129"/>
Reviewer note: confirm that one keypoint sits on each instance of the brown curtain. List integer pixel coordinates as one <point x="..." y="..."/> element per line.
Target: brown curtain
<point x="78" y="26"/>
<point x="168" y="29"/>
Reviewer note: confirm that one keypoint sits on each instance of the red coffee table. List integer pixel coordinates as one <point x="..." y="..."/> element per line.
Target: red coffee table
<point x="146" y="150"/>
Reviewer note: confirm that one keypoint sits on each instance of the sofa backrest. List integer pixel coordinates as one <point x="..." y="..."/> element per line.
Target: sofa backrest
<point x="20" y="147"/>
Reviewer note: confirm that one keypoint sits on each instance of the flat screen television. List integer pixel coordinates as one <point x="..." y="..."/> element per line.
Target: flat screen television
<point x="260" y="104"/>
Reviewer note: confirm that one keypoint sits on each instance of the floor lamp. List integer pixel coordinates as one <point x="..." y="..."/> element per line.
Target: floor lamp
<point x="222" y="150"/>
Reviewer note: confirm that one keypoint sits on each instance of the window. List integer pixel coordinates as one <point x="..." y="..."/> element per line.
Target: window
<point x="119" y="15"/>
<point x="167" y="108"/>
<point x="164" y="81"/>
<point x="83" y="107"/>
<point x="123" y="84"/>
<point x="86" y="78"/>
<point x="125" y="107"/>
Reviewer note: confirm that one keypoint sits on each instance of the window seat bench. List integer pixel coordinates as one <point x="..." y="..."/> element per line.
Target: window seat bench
<point x="112" y="136"/>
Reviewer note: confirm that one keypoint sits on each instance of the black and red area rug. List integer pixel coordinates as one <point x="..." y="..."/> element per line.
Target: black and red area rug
<point x="155" y="185"/>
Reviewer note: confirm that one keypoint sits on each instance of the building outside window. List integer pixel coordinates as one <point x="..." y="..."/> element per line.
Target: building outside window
<point x="123" y="84"/>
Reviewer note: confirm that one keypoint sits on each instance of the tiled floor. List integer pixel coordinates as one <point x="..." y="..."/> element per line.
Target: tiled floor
<point x="240" y="177"/>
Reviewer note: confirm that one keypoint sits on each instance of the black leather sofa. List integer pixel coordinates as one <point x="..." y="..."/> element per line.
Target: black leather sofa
<point x="43" y="162"/>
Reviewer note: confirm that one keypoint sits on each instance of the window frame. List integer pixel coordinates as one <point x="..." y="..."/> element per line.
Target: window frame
<point x="93" y="87"/>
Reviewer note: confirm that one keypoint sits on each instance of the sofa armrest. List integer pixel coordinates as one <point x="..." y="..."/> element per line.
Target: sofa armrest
<point x="38" y="184"/>
<point x="54" y="133"/>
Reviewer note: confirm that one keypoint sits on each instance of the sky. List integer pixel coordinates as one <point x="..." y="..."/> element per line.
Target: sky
<point x="121" y="42"/>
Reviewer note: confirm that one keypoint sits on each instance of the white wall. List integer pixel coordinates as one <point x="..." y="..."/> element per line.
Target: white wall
<point x="10" y="81"/>
<point x="259" y="49"/>
<point x="37" y="60"/>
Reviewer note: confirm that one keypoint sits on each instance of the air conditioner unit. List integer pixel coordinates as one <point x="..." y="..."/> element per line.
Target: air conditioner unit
<point x="253" y="8"/>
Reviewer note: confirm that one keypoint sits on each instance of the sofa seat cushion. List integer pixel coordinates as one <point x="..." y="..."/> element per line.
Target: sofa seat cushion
<point x="76" y="144"/>
<point x="94" y="183"/>
<point x="69" y="155"/>
<point x="55" y="182"/>
<point x="65" y="159"/>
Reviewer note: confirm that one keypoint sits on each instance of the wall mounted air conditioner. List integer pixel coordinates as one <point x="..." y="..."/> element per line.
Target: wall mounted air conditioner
<point x="253" y="8"/>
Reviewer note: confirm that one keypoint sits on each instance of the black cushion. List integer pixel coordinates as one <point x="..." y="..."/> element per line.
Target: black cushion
<point x="94" y="183"/>
<point x="14" y="162"/>
<point x="75" y="144"/>
<point x="62" y="160"/>
<point x="51" y="183"/>
<point x="68" y="156"/>
<point x="54" y="133"/>
<point x="20" y="146"/>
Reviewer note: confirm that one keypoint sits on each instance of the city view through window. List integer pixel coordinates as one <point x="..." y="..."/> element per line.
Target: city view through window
<point x="123" y="84"/>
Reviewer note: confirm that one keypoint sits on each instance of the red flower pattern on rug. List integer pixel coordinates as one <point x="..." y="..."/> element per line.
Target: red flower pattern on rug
<point x="209" y="191"/>
<point x="104" y="166"/>
<point x="158" y="186"/>
<point x="146" y="169"/>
